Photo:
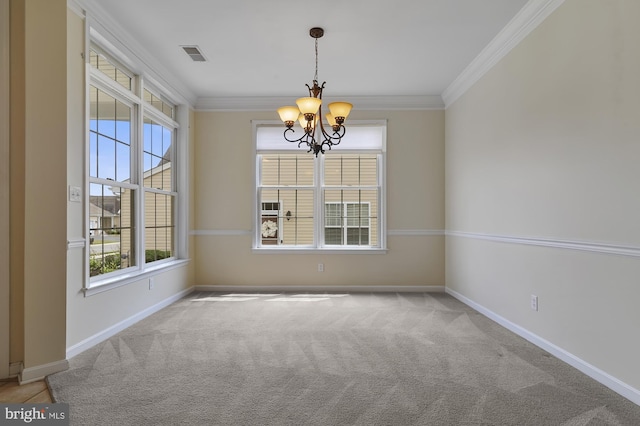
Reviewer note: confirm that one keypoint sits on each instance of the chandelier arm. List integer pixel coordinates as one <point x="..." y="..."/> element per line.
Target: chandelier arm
<point x="293" y="140"/>
<point x="336" y="136"/>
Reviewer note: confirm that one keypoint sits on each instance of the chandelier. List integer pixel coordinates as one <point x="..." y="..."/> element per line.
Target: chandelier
<point x="309" y="114"/>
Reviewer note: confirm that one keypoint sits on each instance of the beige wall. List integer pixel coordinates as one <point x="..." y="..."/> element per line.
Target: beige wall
<point x="38" y="182"/>
<point x="5" y="191"/>
<point x="224" y="172"/>
<point x="545" y="146"/>
<point x="16" y="196"/>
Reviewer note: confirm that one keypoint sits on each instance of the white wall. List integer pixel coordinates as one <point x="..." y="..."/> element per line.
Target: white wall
<point x="224" y="194"/>
<point x="542" y="154"/>
<point x="92" y="318"/>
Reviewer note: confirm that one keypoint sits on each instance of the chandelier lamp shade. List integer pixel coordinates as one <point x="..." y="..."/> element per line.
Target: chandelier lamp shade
<point x="308" y="113"/>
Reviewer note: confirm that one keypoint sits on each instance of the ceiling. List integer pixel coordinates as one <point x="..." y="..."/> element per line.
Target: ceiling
<point x="262" y="48"/>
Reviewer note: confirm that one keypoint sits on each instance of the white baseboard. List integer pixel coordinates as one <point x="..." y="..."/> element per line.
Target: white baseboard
<point x="39" y="372"/>
<point x="595" y="373"/>
<point x="113" y="330"/>
<point x="323" y="288"/>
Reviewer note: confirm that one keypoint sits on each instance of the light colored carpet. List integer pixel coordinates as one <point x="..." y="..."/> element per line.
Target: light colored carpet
<point x="318" y="359"/>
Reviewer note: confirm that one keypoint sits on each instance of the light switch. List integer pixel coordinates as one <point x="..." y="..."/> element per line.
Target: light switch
<point x="75" y="194"/>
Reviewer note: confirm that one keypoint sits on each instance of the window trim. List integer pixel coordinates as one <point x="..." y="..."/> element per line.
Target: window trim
<point x="319" y="225"/>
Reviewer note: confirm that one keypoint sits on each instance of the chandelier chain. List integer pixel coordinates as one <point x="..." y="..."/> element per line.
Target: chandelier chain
<point x="316" y="74"/>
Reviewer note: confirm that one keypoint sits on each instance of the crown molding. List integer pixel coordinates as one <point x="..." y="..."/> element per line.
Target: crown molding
<point x="526" y="20"/>
<point x="111" y="32"/>
<point x="75" y="8"/>
<point x="362" y="103"/>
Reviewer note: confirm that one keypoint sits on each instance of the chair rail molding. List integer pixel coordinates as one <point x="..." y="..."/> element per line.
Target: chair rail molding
<point x="591" y="246"/>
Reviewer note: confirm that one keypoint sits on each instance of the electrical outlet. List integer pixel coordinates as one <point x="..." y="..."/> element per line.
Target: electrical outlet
<point x="534" y="302"/>
<point x="151" y="284"/>
<point x="320" y="267"/>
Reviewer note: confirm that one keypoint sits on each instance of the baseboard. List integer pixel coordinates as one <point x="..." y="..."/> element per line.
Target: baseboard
<point x="595" y="373"/>
<point x="323" y="288"/>
<point x="113" y="330"/>
<point x="15" y="368"/>
<point x="39" y="372"/>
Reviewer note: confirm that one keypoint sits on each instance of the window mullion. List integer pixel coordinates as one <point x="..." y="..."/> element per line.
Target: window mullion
<point x="139" y="173"/>
<point x="319" y="198"/>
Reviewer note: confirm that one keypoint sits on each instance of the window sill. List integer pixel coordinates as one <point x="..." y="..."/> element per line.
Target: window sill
<point x="107" y="284"/>
<point x="315" y="250"/>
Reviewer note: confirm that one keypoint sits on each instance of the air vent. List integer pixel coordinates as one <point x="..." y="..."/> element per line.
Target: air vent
<point x="194" y="53"/>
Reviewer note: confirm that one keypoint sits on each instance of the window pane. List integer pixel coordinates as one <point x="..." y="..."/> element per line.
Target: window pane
<point x="287" y="169"/>
<point x="158" y="226"/>
<point x="373" y="231"/>
<point x="333" y="236"/>
<point x="358" y="236"/>
<point x="351" y="169"/>
<point x="123" y="123"/>
<point x="353" y="214"/>
<point x="109" y="137"/>
<point x="167" y="110"/>
<point x="93" y="109"/>
<point x="334" y="197"/>
<point x="158" y="154"/>
<point x="123" y="162"/>
<point x="105" y="66"/>
<point x="157" y="148"/>
<point x="291" y="210"/>
<point x="333" y="214"/>
<point x="368" y="170"/>
<point x="106" y="115"/>
<point x="93" y="154"/>
<point x="157" y="102"/>
<point x="106" y="158"/>
<point x="110" y="231"/>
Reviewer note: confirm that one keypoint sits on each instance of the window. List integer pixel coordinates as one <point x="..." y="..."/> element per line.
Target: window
<point x="131" y="172"/>
<point x="333" y="201"/>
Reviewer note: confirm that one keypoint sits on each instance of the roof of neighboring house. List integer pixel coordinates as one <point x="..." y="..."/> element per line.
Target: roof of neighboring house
<point x="96" y="210"/>
<point x="107" y="205"/>
<point x="167" y="157"/>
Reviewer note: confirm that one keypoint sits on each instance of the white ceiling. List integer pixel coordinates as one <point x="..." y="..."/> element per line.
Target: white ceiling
<point x="262" y="48"/>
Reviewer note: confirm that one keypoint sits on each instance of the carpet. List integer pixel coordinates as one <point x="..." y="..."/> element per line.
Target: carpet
<point x="328" y="359"/>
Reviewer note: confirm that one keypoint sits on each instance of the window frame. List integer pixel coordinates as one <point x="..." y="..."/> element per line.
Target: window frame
<point x="319" y="189"/>
<point x="140" y="109"/>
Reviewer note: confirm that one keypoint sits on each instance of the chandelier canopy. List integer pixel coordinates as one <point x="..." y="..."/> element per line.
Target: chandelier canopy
<point x="308" y="113"/>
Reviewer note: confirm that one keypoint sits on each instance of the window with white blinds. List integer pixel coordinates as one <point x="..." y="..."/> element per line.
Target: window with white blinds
<point x="333" y="201"/>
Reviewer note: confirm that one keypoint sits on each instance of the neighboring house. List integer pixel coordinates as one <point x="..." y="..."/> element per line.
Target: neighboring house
<point x="104" y="214"/>
<point x="158" y="210"/>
